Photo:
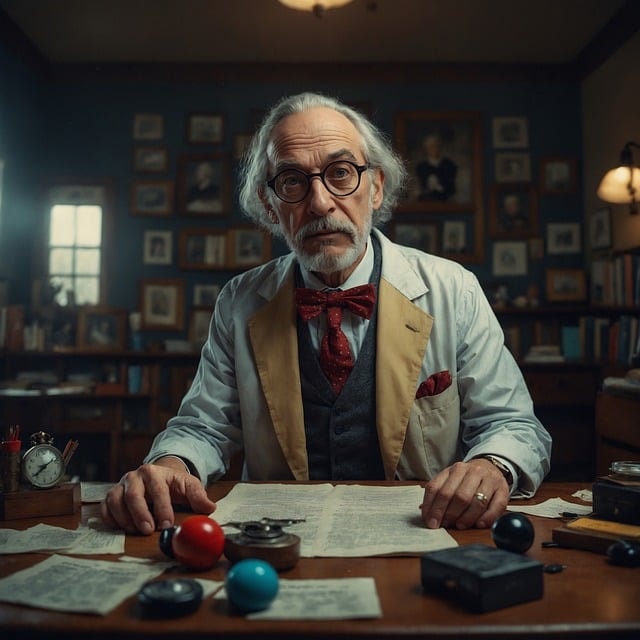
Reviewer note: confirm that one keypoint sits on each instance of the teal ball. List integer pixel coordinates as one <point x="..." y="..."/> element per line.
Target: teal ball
<point x="251" y="585"/>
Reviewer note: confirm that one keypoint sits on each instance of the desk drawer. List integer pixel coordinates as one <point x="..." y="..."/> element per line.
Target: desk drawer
<point x="561" y="388"/>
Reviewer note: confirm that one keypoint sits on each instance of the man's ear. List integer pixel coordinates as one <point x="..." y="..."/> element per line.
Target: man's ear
<point x="378" y="189"/>
<point x="270" y="211"/>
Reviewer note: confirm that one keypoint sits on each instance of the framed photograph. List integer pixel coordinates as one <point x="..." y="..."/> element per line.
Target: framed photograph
<point x="199" y="319"/>
<point x="204" y="185"/>
<point x="566" y="285"/>
<point x="455" y="242"/>
<point x="558" y="176"/>
<point x="513" y="167"/>
<point x="600" y="228"/>
<point x="248" y="247"/>
<point x="152" y="198"/>
<point x="510" y="258"/>
<point x="443" y="153"/>
<point x="202" y="249"/>
<point x="102" y="329"/>
<point x="158" y="247"/>
<point x="205" y="128"/>
<point x="513" y="211"/>
<point x="563" y="237"/>
<point x="162" y="304"/>
<point x="419" y="235"/>
<point x="150" y="159"/>
<point x="510" y="132"/>
<point x="148" y="126"/>
<point x="205" y="295"/>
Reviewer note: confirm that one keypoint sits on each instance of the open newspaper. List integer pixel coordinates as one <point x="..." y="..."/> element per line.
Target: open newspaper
<point x="341" y="520"/>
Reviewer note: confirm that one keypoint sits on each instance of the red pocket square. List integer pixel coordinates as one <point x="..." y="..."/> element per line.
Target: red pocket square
<point x="434" y="384"/>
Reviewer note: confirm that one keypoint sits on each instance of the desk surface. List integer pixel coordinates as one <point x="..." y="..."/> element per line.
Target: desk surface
<point x="590" y="598"/>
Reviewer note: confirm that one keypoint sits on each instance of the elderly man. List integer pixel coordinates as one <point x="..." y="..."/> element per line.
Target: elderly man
<point x="350" y="358"/>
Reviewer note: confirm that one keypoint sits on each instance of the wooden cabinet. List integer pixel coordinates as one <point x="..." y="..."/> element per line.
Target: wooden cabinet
<point x="112" y="403"/>
<point x="617" y="430"/>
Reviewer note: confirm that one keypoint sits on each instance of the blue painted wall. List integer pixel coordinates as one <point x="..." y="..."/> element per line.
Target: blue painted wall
<point x="80" y="125"/>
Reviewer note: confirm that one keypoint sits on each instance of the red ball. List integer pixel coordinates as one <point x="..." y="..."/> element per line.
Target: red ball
<point x="198" y="542"/>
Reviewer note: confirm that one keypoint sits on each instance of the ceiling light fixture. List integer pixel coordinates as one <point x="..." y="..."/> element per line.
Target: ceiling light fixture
<point x="317" y="7"/>
<point x="621" y="185"/>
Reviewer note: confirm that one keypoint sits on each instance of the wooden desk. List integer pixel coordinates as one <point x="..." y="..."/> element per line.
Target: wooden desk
<point x="589" y="599"/>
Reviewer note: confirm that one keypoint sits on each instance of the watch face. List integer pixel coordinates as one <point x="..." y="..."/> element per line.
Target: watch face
<point x="42" y="466"/>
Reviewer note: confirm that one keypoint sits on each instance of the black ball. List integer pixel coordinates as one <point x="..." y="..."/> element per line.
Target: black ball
<point x="513" y="532"/>
<point x="624" y="554"/>
<point x="165" y="541"/>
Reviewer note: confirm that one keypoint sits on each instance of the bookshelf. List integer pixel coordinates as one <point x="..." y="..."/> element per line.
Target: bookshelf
<point x="113" y="402"/>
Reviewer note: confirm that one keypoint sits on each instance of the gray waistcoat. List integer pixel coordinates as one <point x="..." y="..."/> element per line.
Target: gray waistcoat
<point x="342" y="441"/>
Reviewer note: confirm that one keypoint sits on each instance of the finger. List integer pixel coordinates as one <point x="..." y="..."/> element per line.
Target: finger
<point x="197" y="497"/>
<point x="438" y="495"/>
<point x="115" y="512"/>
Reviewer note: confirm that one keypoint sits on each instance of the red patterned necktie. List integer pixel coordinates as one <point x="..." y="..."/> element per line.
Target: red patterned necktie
<point x="335" y="355"/>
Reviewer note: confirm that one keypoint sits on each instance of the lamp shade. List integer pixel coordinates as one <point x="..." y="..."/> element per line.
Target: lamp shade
<point x="314" y="5"/>
<point x="620" y="185"/>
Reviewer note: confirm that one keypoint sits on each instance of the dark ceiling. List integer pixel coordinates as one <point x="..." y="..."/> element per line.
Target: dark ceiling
<point x="221" y="31"/>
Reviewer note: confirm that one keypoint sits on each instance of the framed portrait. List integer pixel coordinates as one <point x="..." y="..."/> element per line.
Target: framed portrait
<point x="102" y="329"/>
<point x="150" y="159"/>
<point x="513" y="167"/>
<point x="152" y="197"/>
<point x="513" y="211"/>
<point x="600" y="228"/>
<point x="510" y="258"/>
<point x="162" y="304"/>
<point x="419" y="235"/>
<point x="558" y="175"/>
<point x="202" y="249"/>
<point x="204" y="185"/>
<point x="205" y="128"/>
<point x="566" y="285"/>
<point x="455" y="240"/>
<point x="205" y="295"/>
<point x="563" y="237"/>
<point x="148" y="126"/>
<point x="443" y="153"/>
<point x="510" y="132"/>
<point x="158" y="247"/>
<point x="248" y="247"/>
<point x="199" y="319"/>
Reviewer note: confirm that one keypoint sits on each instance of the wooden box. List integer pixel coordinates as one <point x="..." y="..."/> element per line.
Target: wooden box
<point x="39" y="503"/>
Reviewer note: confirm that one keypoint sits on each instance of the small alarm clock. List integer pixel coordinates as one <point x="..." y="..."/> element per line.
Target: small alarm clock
<point x="43" y="464"/>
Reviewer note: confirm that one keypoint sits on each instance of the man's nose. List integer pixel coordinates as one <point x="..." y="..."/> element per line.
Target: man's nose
<point x="320" y="200"/>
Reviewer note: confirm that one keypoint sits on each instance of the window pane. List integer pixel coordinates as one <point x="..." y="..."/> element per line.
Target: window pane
<point x="87" y="291"/>
<point x="60" y="261"/>
<point x="88" y="262"/>
<point x="62" y="229"/>
<point x="89" y="220"/>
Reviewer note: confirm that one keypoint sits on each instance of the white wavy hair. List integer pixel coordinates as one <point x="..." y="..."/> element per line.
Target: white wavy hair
<point x="376" y="149"/>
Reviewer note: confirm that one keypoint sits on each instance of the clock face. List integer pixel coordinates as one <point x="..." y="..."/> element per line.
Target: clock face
<point x="42" y="466"/>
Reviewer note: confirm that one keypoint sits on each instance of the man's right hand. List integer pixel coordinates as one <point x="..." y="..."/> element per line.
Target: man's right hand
<point x="142" y="501"/>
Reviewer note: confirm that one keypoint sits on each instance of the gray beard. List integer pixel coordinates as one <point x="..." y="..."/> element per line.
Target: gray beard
<point x="325" y="263"/>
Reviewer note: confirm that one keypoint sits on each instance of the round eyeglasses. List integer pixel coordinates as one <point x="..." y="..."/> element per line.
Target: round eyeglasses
<point x="341" y="178"/>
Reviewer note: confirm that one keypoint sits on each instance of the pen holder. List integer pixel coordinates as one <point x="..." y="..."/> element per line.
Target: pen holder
<point x="10" y="465"/>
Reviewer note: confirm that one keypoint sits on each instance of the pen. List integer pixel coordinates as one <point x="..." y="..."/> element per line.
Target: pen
<point x="69" y="450"/>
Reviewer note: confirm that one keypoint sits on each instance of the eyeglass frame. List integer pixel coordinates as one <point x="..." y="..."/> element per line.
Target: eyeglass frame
<point x="360" y="169"/>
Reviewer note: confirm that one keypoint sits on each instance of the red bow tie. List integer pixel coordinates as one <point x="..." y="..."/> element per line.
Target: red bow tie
<point x="335" y="355"/>
<point x="359" y="300"/>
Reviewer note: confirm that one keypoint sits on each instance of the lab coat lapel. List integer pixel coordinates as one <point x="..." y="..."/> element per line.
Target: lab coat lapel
<point x="273" y="336"/>
<point x="402" y="337"/>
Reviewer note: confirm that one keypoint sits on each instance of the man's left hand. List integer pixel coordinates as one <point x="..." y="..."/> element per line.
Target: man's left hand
<point x="464" y="495"/>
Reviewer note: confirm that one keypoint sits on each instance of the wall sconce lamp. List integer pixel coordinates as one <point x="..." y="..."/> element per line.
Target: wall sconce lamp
<point x="317" y="7"/>
<point x="621" y="185"/>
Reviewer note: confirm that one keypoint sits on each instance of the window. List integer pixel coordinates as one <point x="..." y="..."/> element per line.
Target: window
<point x="75" y="244"/>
